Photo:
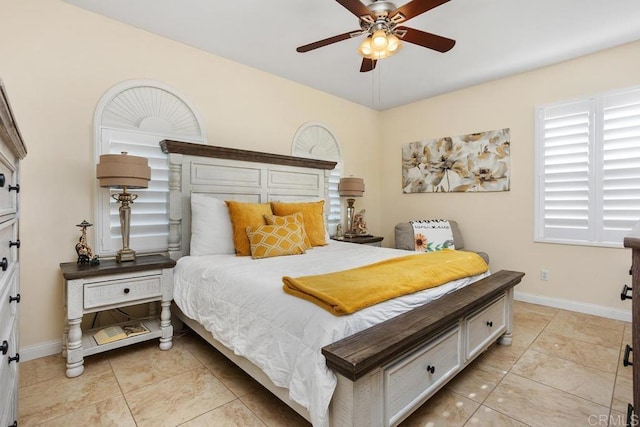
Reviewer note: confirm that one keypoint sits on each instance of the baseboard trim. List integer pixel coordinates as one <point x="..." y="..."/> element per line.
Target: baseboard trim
<point x="40" y="350"/>
<point x="580" y="307"/>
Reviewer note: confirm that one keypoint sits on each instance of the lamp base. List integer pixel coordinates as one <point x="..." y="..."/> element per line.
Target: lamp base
<point x="126" y="255"/>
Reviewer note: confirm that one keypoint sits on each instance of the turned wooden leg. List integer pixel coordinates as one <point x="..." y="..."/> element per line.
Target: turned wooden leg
<point x="165" y="325"/>
<point x="65" y="339"/>
<point x="75" y="356"/>
<point x="505" y="339"/>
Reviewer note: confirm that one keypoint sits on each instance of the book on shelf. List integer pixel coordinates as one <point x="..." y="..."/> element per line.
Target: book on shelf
<point x="117" y="332"/>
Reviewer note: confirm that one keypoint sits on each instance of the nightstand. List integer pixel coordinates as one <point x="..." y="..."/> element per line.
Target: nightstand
<point x="109" y="285"/>
<point x="363" y="240"/>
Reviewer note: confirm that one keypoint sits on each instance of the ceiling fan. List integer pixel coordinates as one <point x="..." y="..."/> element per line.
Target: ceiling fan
<point x="379" y="21"/>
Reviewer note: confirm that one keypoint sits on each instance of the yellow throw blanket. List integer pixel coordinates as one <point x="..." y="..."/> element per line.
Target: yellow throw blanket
<point x="345" y="292"/>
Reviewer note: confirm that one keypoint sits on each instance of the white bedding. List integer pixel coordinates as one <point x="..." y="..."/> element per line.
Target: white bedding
<point x="241" y="302"/>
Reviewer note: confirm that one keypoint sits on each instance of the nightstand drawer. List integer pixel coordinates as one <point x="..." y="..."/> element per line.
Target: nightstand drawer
<point x="103" y="294"/>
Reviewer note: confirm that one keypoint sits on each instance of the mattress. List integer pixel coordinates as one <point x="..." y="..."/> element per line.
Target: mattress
<point x="241" y="302"/>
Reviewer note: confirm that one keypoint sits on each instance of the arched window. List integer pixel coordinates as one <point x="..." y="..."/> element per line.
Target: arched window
<point x="134" y="116"/>
<point x="314" y="140"/>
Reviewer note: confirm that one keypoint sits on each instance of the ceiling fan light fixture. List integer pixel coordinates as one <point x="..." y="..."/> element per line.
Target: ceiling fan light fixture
<point x="369" y="51"/>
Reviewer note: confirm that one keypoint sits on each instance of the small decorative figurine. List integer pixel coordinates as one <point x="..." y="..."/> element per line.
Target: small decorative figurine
<point x="339" y="233"/>
<point x="85" y="254"/>
<point x="359" y="224"/>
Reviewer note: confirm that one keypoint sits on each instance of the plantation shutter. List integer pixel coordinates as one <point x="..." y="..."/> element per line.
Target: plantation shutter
<point x="334" y="215"/>
<point x="565" y="181"/>
<point x="621" y="164"/>
<point x="588" y="164"/>
<point x="149" y="227"/>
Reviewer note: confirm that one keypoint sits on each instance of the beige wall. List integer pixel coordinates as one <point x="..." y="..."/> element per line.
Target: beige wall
<point x="57" y="62"/>
<point x="502" y="223"/>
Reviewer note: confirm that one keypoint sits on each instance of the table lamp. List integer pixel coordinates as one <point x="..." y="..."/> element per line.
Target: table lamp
<point x="350" y="187"/>
<point x="124" y="172"/>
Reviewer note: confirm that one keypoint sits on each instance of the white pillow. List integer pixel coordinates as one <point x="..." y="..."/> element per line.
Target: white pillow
<point x="211" y="231"/>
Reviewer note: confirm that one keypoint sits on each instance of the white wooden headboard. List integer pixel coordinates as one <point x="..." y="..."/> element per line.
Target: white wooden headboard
<point x="232" y="174"/>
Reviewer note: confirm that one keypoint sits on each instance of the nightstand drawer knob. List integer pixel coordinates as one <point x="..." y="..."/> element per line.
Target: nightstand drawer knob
<point x="4" y="347"/>
<point x="2" y="180"/>
<point x="16" y="243"/>
<point x="12" y="299"/>
<point x="14" y="359"/>
<point x="15" y="188"/>
<point x="490" y="323"/>
<point x="127" y="290"/>
<point x="4" y="263"/>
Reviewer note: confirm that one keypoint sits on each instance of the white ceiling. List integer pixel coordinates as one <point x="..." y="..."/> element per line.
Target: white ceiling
<point x="495" y="38"/>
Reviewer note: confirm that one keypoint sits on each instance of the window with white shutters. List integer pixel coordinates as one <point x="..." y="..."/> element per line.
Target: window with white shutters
<point x="588" y="169"/>
<point x="134" y="116"/>
<point x="316" y="141"/>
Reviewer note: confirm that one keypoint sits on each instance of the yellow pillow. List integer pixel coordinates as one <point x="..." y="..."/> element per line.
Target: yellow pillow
<point x="311" y="215"/>
<point x="283" y="220"/>
<point x="245" y="215"/>
<point x="275" y="240"/>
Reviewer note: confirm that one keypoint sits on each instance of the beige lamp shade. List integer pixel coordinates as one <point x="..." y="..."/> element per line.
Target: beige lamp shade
<point x="123" y="170"/>
<point x="351" y="187"/>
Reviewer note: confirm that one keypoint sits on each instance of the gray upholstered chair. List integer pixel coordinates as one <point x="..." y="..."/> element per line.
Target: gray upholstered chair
<point x="404" y="238"/>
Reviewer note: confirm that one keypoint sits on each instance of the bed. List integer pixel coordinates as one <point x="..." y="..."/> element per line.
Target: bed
<point x="373" y="367"/>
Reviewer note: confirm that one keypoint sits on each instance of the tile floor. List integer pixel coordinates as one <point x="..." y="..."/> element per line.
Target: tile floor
<point x="563" y="369"/>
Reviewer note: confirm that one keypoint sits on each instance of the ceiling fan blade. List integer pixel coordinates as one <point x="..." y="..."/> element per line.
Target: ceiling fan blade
<point x="415" y="8"/>
<point x="330" y="40"/>
<point x="424" y="39"/>
<point x="356" y="7"/>
<point x="368" y="65"/>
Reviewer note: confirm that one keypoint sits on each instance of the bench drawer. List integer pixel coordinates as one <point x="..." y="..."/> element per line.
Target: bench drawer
<point x="485" y="326"/>
<point x="410" y="381"/>
<point x="103" y="294"/>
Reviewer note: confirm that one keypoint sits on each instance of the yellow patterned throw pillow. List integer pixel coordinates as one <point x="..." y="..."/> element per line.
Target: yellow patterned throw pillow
<point x="312" y="214"/>
<point x="284" y="220"/>
<point x="245" y="215"/>
<point x="275" y="240"/>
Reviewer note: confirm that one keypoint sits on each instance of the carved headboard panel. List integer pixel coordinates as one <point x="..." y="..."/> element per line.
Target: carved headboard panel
<point x="232" y="174"/>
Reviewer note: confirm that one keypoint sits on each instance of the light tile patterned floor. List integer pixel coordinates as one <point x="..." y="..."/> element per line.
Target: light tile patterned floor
<point x="563" y="369"/>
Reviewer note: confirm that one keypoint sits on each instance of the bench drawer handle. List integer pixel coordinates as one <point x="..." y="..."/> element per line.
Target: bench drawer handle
<point x="4" y="263"/>
<point x="16" y="243"/>
<point x="431" y="369"/>
<point x="14" y="359"/>
<point x="4" y="347"/>
<point x="490" y="323"/>
<point x="16" y="188"/>
<point x="12" y="299"/>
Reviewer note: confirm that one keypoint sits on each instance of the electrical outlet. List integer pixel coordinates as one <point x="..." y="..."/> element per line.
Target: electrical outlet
<point x="544" y="275"/>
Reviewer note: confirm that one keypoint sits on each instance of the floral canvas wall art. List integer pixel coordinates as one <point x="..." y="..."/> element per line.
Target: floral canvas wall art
<point x="473" y="162"/>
